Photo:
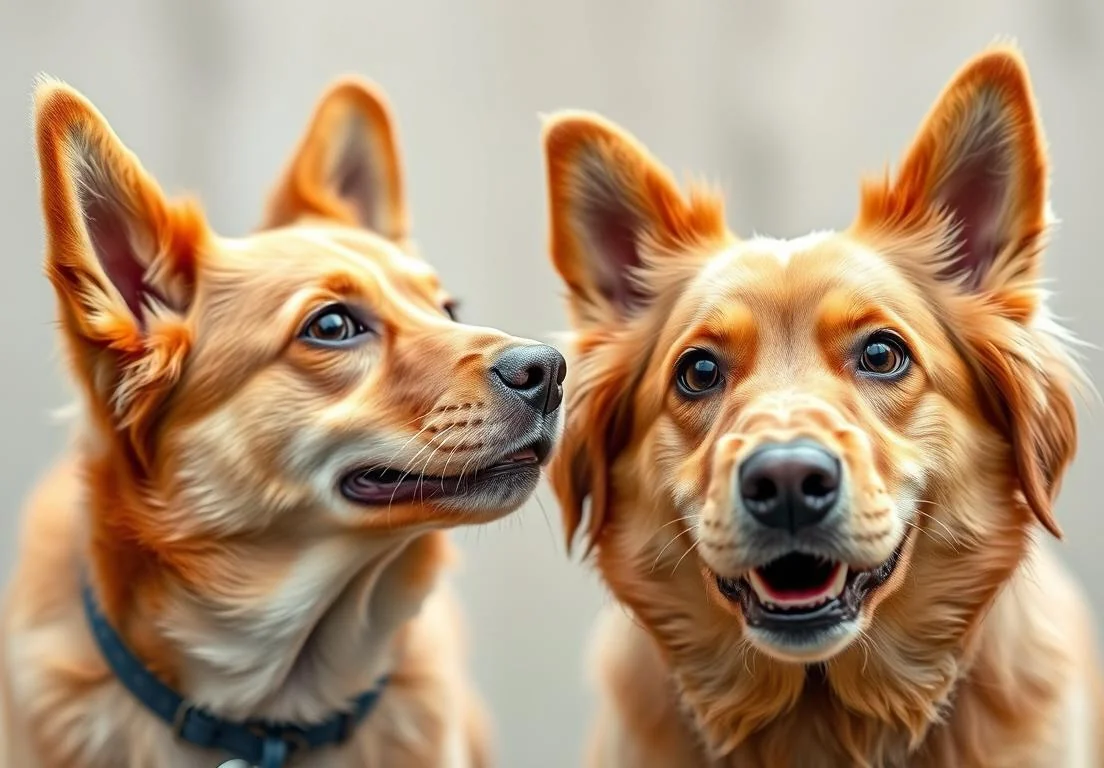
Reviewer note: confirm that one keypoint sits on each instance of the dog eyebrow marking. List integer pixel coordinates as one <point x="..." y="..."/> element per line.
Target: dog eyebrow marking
<point x="413" y="271"/>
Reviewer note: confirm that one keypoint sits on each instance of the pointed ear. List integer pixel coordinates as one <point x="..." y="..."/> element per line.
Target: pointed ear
<point x="973" y="189"/>
<point x="347" y="166"/>
<point x="613" y="211"/>
<point x="978" y="164"/>
<point x="121" y="257"/>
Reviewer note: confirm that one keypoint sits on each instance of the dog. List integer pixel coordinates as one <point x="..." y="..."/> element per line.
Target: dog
<point x="239" y="557"/>
<point x="814" y="470"/>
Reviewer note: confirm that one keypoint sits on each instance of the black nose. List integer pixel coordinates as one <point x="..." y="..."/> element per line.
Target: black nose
<point x="535" y="372"/>
<point x="790" y="486"/>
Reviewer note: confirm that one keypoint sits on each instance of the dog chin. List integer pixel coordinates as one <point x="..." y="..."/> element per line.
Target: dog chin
<point x="496" y="497"/>
<point x="812" y="646"/>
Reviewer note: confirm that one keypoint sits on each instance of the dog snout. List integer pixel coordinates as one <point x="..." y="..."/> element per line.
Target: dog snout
<point x="790" y="486"/>
<point x="534" y="373"/>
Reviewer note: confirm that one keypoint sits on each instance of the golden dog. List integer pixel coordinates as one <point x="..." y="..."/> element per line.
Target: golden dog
<point x="275" y="432"/>
<point x="816" y="468"/>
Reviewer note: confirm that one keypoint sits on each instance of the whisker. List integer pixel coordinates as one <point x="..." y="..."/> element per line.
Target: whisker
<point x="864" y="643"/>
<point x="459" y="443"/>
<point x="691" y="516"/>
<point x="936" y="520"/>
<point x="748" y="653"/>
<point x="930" y="534"/>
<point x="425" y="466"/>
<point x="409" y="466"/>
<point x="688" y="551"/>
<point x="544" y="514"/>
<point x="399" y="451"/>
<point x="418" y="418"/>
<point x="674" y="538"/>
<point x="464" y="468"/>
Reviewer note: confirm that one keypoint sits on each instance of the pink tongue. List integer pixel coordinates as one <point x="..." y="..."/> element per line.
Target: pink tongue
<point x="522" y="455"/>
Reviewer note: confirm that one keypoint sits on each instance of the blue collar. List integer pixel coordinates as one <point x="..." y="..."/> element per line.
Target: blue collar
<point x="261" y="743"/>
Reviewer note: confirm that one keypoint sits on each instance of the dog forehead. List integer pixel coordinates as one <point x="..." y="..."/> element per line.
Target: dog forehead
<point x="305" y="253"/>
<point x="793" y="273"/>
<point x="783" y="250"/>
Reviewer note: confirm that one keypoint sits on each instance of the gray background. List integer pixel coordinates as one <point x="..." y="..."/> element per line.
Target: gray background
<point x="785" y="103"/>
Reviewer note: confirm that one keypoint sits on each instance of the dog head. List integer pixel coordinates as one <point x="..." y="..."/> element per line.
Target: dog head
<point x="273" y="399"/>
<point x="842" y="435"/>
<point x="317" y="363"/>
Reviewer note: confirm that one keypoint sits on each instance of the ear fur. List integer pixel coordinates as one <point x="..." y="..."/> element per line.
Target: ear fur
<point x="121" y="257"/>
<point x="1031" y="380"/>
<point x="619" y="226"/>
<point x="977" y="169"/>
<point x="597" y="429"/>
<point x="973" y="189"/>
<point x="347" y="166"/>
<point x="613" y="211"/>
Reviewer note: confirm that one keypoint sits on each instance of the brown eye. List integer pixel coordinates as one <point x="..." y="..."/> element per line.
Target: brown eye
<point x="334" y="325"/>
<point x="883" y="356"/>
<point x="698" y="372"/>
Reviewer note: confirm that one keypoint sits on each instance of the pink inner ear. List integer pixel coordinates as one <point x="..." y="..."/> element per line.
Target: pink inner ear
<point x="615" y="235"/>
<point x="975" y="194"/>
<point x="116" y="254"/>
<point x="355" y="179"/>
<point x="354" y="182"/>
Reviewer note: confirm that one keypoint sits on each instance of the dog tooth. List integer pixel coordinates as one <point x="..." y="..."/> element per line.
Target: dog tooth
<point x="839" y="581"/>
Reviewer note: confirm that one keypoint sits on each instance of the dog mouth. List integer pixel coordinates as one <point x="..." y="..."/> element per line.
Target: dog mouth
<point x="802" y="592"/>
<point x="387" y="485"/>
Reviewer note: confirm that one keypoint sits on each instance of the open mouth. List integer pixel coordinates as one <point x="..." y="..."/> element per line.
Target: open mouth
<point x="386" y="485"/>
<point x="804" y="592"/>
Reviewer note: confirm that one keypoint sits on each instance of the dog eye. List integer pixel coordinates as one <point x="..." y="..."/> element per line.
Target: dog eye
<point x="333" y="325"/>
<point x="452" y="309"/>
<point x="697" y="373"/>
<point x="883" y="356"/>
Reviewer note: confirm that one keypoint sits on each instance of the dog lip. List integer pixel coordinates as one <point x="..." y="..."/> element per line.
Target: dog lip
<point x="525" y="457"/>
<point x="385" y="485"/>
<point x="803" y="615"/>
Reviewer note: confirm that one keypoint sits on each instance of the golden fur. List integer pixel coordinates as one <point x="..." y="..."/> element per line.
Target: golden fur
<point x="978" y="650"/>
<point x="200" y="493"/>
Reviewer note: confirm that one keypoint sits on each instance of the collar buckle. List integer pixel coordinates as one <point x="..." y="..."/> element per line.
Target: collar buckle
<point x="290" y="735"/>
<point x="183" y="710"/>
<point x="192" y="724"/>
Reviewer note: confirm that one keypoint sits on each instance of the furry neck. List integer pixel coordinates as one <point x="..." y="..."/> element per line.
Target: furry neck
<point x="289" y="628"/>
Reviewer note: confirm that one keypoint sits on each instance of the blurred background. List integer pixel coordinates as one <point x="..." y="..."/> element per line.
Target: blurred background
<point x="784" y="103"/>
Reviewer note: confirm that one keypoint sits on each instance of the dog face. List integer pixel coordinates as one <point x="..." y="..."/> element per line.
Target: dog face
<point x="308" y="379"/>
<point x="789" y="445"/>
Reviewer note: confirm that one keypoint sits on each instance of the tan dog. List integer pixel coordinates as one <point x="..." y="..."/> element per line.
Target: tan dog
<point x="275" y="432"/>
<point x="816" y="468"/>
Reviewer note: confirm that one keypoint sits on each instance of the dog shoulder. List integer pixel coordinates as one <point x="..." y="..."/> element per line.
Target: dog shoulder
<point x="46" y="571"/>
<point x="639" y="716"/>
<point x="1057" y="598"/>
<point x="1039" y="656"/>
